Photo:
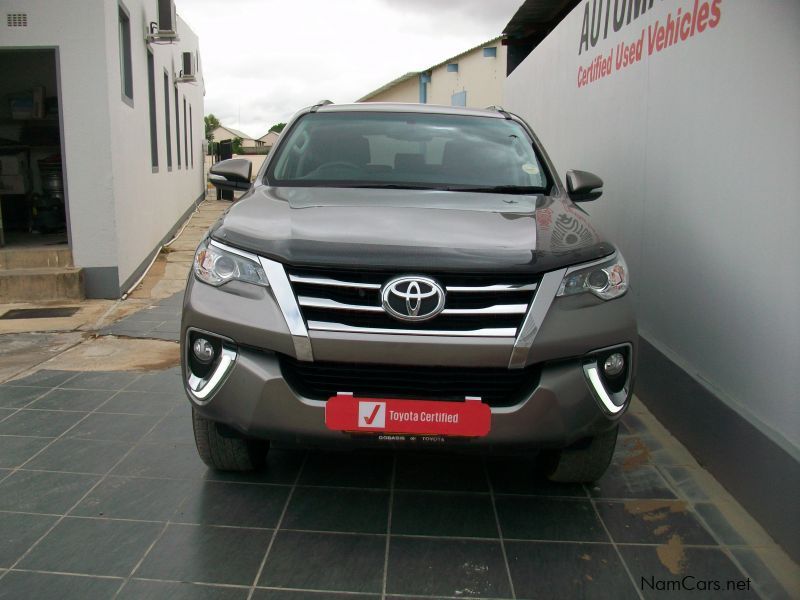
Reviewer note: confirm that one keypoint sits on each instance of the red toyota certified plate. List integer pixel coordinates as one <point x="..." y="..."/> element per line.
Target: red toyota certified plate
<point x="471" y="418"/>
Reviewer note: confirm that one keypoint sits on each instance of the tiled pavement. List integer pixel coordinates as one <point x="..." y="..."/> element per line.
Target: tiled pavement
<point x="103" y="496"/>
<point x="160" y="320"/>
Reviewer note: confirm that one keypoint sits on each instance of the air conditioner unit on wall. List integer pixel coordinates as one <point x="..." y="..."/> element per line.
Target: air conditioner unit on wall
<point x="188" y="67"/>
<point x="167" y="18"/>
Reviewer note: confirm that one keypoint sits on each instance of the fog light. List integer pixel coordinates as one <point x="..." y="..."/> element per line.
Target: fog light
<point x="203" y="350"/>
<point x="614" y="364"/>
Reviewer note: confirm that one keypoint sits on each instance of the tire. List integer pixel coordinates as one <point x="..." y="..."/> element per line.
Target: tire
<point x="584" y="462"/>
<point x="223" y="449"/>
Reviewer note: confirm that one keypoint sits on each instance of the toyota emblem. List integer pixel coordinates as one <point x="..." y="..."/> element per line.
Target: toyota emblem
<point x="412" y="298"/>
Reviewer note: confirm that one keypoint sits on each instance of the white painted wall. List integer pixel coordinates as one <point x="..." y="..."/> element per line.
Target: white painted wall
<point x="85" y="114"/>
<point x="119" y="209"/>
<point x="699" y="147"/>
<point x="148" y="204"/>
<point x="480" y="76"/>
<point x="405" y="91"/>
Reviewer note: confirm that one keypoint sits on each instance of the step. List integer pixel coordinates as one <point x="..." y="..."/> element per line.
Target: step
<point x="43" y="284"/>
<point x="35" y="257"/>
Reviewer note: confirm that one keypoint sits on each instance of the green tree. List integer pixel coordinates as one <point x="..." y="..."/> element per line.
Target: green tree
<point x="278" y="127"/>
<point x="212" y="123"/>
<point x="237" y="145"/>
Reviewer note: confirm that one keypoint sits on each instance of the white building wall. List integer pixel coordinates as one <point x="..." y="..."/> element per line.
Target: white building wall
<point x="405" y="91"/>
<point x="119" y="210"/>
<point x="480" y="76"/>
<point x="85" y="124"/>
<point x="148" y="204"/>
<point x="699" y="147"/>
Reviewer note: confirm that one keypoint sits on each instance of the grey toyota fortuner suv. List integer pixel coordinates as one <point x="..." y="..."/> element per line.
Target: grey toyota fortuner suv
<point x="408" y="276"/>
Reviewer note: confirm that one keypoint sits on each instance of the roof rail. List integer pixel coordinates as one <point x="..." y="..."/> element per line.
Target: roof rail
<point x="318" y="104"/>
<point x="501" y="110"/>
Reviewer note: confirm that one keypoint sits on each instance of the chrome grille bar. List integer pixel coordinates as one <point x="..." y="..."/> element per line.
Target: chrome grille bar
<point x="342" y="328"/>
<point x="497" y="309"/>
<point x="502" y="287"/>
<point x="333" y="282"/>
<point x="334" y="305"/>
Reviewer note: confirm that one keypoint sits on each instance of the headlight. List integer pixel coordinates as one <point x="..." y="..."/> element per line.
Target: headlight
<point x="605" y="280"/>
<point x="215" y="266"/>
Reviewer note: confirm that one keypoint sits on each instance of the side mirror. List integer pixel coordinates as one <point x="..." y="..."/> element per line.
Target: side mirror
<point x="583" y="186"/>
<point x="231" y="174"/>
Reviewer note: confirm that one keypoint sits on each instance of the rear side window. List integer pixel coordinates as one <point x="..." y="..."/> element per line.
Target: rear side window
<point x="430" y="150"/>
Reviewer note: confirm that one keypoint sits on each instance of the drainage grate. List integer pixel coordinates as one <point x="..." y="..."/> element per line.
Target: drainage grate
<point x="17" y="19"/>
<point x="40" y="313"/>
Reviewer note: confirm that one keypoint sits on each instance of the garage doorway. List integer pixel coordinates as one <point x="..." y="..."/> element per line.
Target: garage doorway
<point x="32" y="174"/>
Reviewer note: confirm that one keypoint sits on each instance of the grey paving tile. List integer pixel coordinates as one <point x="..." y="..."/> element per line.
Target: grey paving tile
<point x="763" y="579"/>
<point x="43" y="492"/>
<point x="203" y="553"/>
<point x="165" y="382"/>
<point x="16" y="450"/>
<point x="655" y="567"/>
<point x="568" y="570"/>
<point x="114" y="427"/>
<point x="175" y="299"/>
<point x="447" y="568"/>
<point x="443" y="514"/>
<point x="641" y="481"/>
<point x="176" y="429"/>
<point x="541" y="518"/>
<point x="92" y="546"/>
<point x="440" y="472"/>
<point x="519" y="476"/>
<point x="17" y="533"/>
<point x="80" y="456"/>
<point x="282" y="467"/>
<point x="40" y="423"/>
<point x="338" y="562"/>
<point x="176" y="461"/>
<point x="337" y="509"/>
<point x="348" y="469"/>
<point x="163" y="335"/>
<point x="684" y="480"/>
<point x="237" y="504"/>
<point x="46" y="586"/>
<point x="81" y="400"/>
<point x="142" y="403"/>
<point x="632" y="424"/>
<point x="100" y="380"/>
<point x="718" y="524"/>
<point x="16" y="397"/>
<point x="44" y="378"/>
<point x="137" y="589"/>
<point x="134" y="498"/>
<point x="653" y="522"/>
<point x="263" y="594"/>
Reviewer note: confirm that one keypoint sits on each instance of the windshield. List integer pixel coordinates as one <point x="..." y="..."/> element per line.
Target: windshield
<point x="408" y="150"/>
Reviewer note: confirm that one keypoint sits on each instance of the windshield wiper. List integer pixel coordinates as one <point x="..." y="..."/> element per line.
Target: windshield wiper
<point x="501" y="189"/>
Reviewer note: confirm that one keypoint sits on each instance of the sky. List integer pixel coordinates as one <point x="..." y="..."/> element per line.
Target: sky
<point x="264" y="59"/>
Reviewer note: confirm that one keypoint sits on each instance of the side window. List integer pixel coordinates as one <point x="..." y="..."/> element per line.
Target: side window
<point x="166" y="121"/>
<point x="125" y="63"/>
<point x="151" y="97"/>
<point x="178" y="128"/>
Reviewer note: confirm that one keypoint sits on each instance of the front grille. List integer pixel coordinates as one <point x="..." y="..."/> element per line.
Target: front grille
<point x="495" y="386"/>
<point x="476" y="303"/>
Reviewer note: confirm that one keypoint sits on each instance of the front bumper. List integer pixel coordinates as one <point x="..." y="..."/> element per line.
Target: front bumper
<point x="252" y="396"/>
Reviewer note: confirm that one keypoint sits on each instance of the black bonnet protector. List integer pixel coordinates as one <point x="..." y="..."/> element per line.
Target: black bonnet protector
<point x="411" y="229"/>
